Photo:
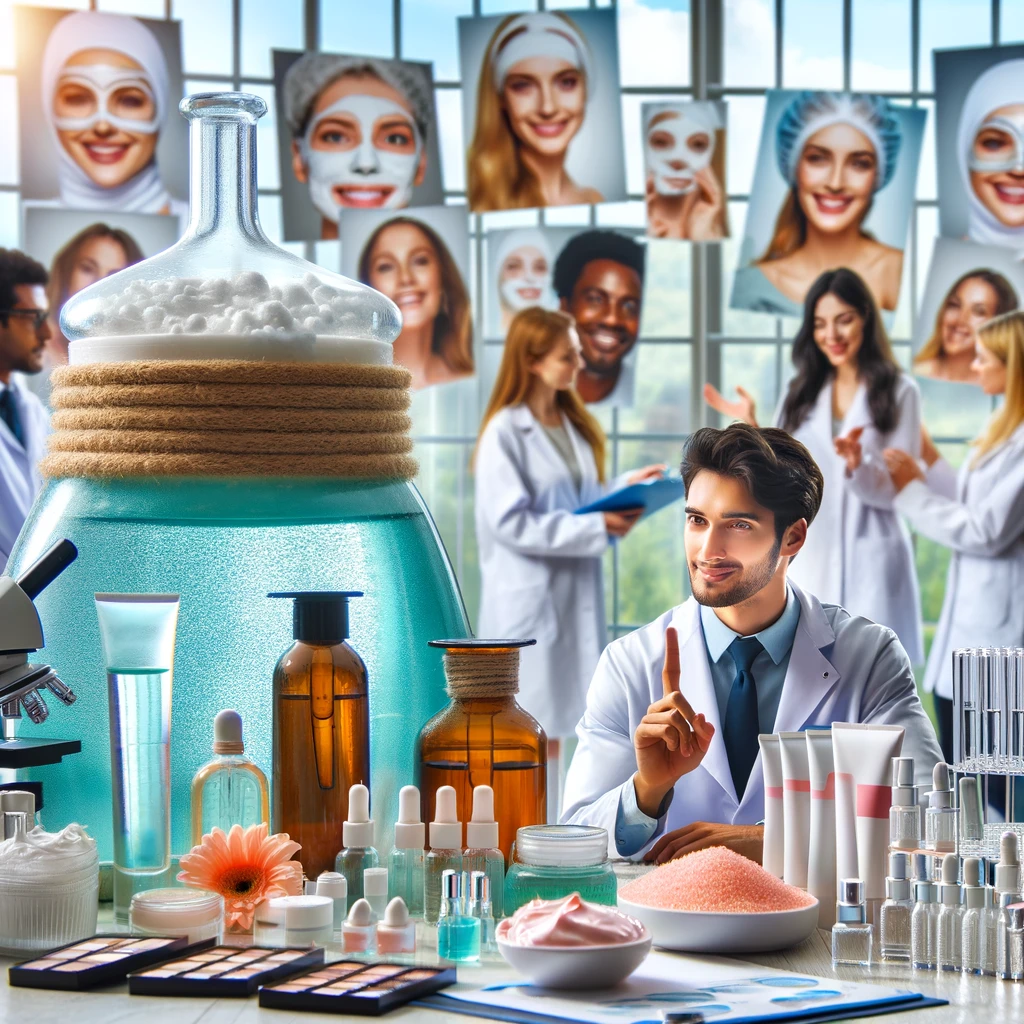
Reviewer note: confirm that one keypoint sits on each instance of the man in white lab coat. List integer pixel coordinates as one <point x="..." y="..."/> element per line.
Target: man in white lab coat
<point x="668" y="743"/>
<point x="24" y="421"/>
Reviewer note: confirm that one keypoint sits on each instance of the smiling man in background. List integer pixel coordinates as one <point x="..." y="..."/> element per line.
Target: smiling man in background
<point x="599" y="279"/>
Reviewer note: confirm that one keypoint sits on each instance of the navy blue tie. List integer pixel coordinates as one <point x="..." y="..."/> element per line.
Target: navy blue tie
<point x="741" y="723"/>
<point x="9" y="414"/>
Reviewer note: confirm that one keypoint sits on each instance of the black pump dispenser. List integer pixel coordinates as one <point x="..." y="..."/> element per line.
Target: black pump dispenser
<point x="320" y="616"/>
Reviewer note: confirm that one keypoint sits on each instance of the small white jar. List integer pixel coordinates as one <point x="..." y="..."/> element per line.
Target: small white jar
<point x="194" y="913"/>
<point x="295" y="921"/>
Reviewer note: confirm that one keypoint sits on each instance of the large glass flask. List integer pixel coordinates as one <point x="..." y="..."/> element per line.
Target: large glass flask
<point x="484" y="738"/>
<point x="224" y="542"/>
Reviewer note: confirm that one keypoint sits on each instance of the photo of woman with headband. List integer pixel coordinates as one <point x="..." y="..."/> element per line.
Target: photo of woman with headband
<point x="541" y="110"/>
<point x="102" y="86"/>
<point x="979" y="107"/>
<point x="834" y="187"/>
<point x="684" y="170"/>
<point x="418" y="261"/>
<point x="523" y="272"/>
<point x="357" y="133"/>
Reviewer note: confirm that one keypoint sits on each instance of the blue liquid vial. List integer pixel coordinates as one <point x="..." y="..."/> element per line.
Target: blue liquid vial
<point x="458" y="936"/>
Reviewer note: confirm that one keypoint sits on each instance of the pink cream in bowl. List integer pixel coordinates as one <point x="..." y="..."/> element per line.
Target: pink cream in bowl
<point x="569" y="922"/>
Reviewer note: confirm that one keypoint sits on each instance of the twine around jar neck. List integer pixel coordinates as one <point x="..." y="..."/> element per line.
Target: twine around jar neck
<point x="482" y="674"/>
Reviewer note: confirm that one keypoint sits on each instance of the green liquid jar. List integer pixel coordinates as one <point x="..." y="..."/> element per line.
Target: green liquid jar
<point x="550" y="862"/>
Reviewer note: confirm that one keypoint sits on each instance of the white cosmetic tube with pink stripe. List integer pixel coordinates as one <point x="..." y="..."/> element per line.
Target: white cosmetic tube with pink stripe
<point x="821" y="860"/>
<point x="863" y="763"/>
<point x="796" y="806"/>
<point x="773" y="853"/>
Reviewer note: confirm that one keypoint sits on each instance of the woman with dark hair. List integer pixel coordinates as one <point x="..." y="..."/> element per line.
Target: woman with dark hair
<point x="847" y="402"/>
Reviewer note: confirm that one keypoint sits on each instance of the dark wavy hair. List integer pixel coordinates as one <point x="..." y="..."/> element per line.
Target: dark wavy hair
<point x="876" y="365"/>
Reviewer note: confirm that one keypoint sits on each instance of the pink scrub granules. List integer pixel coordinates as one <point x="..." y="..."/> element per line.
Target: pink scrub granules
<point x="716" y="880"/>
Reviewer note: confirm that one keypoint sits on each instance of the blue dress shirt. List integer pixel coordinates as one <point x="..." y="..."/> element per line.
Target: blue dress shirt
<point x="634" y="829"/>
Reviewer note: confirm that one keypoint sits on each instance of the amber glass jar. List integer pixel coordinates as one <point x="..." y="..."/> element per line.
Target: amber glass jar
<point x="484" y="738"/>
<point x="321" y="728"/>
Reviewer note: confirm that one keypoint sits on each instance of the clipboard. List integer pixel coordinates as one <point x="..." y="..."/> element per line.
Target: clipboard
<point x="650" y="495"/>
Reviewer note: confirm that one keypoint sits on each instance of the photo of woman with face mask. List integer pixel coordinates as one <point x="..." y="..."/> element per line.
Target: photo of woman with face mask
<point x="990" y="156"/>
<point x="524" y="269"/>
<point x="974" y="298"/>
<point x="535" y="83"/>
<point x="106" y="97"/>
<point x="407" y="260"/>
<point x="360" y="135"/>
<point x="835" y="152"/>
<point x="684" y="163"/>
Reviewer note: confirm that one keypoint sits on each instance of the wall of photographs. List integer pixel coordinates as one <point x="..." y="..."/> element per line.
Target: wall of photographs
<point x="684" y="125"/>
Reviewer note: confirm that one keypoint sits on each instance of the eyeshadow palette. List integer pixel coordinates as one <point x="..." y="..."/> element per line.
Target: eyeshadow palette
<point x="101" y="960"/>
<point x="223" y="971"/>
<point x="368" y="989"/>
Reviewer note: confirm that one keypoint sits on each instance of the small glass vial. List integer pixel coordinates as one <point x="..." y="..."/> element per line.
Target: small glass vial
<point x="940" y="817"/>
<point x="480" y="907"/>
<point x="851" y="934"/>
<point x="905" y="812"/>
<point x="894" y="917"/>
<point x="375" y="890"/>
<point x="977" y="901"/>
<point x="445" y="853"/>
<point x="1014" y="943"/>
<point x="358" y="853"/>
<point x="396" y="933"/>
<point x="949" y="929"/>
<point x="924" y="919"/>
<point x="230" y="789"/>
<point x="359" y="932"/>
<point x="406" y="860"/>
<point x="458" y="936"/>
<point x="333" y="885"/>
<point x="482" y="853"/>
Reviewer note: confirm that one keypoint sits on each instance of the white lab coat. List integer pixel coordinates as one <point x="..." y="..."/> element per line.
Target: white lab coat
<point x="842" y="669"/>
<point x="858" y="553"/>
<point x="980" y="515"/>
<point x="20" y="480"/>
<point x="540" y="565"/>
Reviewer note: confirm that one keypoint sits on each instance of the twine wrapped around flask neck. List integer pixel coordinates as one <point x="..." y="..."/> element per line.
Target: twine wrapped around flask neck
<point x="481" y="674"/>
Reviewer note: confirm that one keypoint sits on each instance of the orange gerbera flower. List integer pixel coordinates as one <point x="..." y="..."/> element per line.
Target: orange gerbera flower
<point x="246" y="866"/>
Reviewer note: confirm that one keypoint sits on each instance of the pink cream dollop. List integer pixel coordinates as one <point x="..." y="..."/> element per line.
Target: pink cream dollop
<point x="569" y="922"/>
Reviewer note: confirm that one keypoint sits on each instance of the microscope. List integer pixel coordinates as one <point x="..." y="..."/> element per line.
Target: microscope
<point x="22" y="684"/>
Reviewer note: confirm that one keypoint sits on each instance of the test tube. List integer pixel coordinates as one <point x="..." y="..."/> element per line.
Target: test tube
<point x="965" y="700"/>
<point x="994" y="681"/>
<point x="1017" y="710"/>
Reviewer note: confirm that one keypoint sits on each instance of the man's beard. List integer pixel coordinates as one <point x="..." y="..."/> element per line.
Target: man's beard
<point x="753" y="580"/>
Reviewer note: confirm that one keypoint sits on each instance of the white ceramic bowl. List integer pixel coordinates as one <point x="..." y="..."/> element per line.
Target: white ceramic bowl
<point x="695" y="931"/>
<point x="585" y="967"/>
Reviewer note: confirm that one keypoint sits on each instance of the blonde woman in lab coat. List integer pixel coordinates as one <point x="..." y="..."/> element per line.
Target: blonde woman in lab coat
<point x="978" y="513"/>
<point x="540" y="457"/>
<point x="847" y="402"/>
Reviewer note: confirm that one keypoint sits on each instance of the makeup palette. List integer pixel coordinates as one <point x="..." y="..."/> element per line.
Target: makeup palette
<point x="223" y="971"/>
<point x="367" y="989"/>
<point x="101" y="960"/>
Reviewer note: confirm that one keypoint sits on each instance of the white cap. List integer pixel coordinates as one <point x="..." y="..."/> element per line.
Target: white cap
<point x="410" y="832"/>
<point x="949" y="890"/>
<point x="482" y="830"/>
<point x="360" y="915"/>
<point x="227" y="733"/>
<point x="446" y="829"/>
<point x="332" y="884"/>
<point x="304" y="911"/>
<point x="1008" y="868"/>
<point x="357" y="830"/>
<point x="941" y="795"/>
<point x="397" y="914"/>
<point x="375" y="882"/>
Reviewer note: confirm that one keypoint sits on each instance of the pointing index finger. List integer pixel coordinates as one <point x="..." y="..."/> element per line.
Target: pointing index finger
<point x="670" y="673"/>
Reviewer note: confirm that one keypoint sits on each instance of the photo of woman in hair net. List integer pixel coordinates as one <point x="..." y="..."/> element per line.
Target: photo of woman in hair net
<point x="838" y="170"/>
<point x="105" y="95"/>
<point x="356" y="133"/>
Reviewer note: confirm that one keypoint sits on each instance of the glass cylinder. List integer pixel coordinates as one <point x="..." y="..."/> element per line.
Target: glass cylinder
<point x="138" y="632"/>
<point x="968" y="666"/>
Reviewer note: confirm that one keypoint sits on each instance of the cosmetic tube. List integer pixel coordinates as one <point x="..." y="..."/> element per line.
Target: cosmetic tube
<point x="796" y="807"/>
<point x="773" y="854"/>
<point x="821" y="859"/>
<point x="972" y="824"/>
<point x="940" y="817"/>
<point x="905" y="813"/>
<point x="863" y="763"/>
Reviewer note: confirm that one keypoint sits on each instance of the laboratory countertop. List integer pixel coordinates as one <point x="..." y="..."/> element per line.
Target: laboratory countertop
<point x="971" y="1000"/>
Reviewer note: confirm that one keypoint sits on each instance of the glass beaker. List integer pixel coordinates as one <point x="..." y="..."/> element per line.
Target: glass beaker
<point x="138" y="633"/>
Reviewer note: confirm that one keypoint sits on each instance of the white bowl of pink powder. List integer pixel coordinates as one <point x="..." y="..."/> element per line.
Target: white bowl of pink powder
<point x="717" y="901"/>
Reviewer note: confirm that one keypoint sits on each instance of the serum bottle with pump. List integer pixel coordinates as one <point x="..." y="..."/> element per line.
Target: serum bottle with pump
<point x="905" y="812"/>
<point x="940" y="817"/>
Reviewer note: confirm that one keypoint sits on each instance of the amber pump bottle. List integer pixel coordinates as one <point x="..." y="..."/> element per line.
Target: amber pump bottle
<point x="484" y="738"/>
<point x="321" y="728"/>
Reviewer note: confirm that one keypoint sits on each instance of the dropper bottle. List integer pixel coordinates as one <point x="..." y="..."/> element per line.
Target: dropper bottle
<point x="405" y="862"/>
<point x="905" y="812"/>
<point x="358" y="853"/>
<point x="482" y="853"/>
<point x="925" y="917"/>
<point x="950" y="925"/>
<point x="1007" y="893"/>
<point x="445" y="852"/>
<point x="977" y="903"/>
<point x="940" y="817"/>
